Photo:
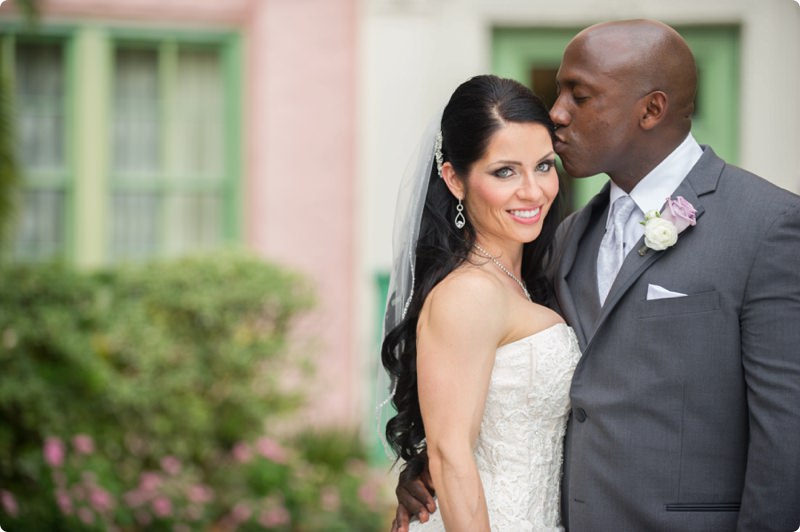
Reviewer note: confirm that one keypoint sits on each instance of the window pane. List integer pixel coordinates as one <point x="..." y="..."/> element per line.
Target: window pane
<point x="168" y="161"/>
<point x="199" y="128"/>
<point x="40" y="122"/>
<point x="194" y="223"/>
<point x="40" y="232"/>
<point x="40" y="105"/>
<point x="135" y="114"/>
<point x="134" y="225"/>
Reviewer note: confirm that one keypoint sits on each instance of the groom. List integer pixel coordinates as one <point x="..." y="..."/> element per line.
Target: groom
<point x="686" y="402"/>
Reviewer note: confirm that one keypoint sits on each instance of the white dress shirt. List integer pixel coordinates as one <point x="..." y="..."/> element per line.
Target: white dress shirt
<point x="653" y="190"/>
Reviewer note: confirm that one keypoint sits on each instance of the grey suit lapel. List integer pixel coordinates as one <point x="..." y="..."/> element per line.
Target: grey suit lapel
<point x="701" y="180"/>
<point x="575" y="311"/>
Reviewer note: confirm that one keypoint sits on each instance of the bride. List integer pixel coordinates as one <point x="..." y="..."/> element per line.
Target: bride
<point x="480" y="367"/>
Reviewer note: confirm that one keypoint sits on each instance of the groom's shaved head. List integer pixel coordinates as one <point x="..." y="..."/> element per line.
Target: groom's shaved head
<point x="648" y="55"/>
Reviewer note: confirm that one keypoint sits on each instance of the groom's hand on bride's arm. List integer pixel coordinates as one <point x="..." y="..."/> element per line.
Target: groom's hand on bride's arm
<point x="414" y="498"/>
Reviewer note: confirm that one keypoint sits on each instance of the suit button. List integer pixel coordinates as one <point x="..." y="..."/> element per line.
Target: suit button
<point x="580" y="414"/>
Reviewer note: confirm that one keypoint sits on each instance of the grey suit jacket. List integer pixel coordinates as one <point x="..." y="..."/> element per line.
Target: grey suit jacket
<point x="686" y="411"/>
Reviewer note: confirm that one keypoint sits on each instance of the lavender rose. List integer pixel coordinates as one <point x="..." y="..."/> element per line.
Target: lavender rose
<point x="680" y="212"/>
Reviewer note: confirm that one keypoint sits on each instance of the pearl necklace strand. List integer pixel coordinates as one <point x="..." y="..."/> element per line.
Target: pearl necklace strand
<point x="503" y="269"/>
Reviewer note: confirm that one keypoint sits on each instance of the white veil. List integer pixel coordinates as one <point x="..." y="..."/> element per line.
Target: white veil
<point x="408" y="214"/>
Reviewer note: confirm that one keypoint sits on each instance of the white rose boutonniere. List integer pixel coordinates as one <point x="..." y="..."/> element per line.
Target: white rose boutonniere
<point x="661" y="229"/>
<point x="659" y="233"/>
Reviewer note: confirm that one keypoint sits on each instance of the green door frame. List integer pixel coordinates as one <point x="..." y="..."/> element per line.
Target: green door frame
<point x="516" y="52"/>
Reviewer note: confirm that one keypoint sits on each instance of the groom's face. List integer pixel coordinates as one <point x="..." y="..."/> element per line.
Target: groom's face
<point x="595" y="108"/>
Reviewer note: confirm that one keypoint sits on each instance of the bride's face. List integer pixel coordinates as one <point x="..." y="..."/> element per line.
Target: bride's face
<point x="510" y="190"/>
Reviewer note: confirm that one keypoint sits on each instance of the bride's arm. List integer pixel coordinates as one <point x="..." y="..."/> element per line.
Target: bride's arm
<point x="457" y="335"/>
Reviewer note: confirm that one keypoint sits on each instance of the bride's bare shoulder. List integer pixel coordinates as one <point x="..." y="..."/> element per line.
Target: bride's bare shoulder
<point x="469" y="296"/>
<point x="470" y="286"/>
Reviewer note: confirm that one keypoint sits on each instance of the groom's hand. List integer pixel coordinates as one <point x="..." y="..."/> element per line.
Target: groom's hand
<point x="414" y="498"/>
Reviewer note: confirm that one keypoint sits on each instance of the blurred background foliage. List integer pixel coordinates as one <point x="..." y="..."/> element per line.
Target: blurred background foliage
<point x="159" y="397"/>
<point x="10" y="170"/>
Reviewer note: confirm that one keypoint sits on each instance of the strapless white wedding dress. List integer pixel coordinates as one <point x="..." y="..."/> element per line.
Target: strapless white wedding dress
<point x="520" y="446"/>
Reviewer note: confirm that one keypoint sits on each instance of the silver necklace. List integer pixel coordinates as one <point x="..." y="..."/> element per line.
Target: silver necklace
<point x="503" y="269"/>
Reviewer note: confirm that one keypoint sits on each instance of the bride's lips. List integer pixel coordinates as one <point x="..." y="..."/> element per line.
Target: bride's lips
<point x="526" y="216"/>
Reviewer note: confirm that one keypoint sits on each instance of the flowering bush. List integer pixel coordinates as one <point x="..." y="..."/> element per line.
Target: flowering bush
<point x="262" y="485"/>
<point x="147" y="398"/>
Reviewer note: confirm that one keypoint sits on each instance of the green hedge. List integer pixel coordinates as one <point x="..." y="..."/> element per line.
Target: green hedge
<point x="148" y="398"/>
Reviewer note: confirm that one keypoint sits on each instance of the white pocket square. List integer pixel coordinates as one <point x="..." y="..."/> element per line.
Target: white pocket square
<point x="659" y="292"/>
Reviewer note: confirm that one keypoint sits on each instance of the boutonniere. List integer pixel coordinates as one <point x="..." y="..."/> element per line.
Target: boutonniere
<point x="661" y="229"/>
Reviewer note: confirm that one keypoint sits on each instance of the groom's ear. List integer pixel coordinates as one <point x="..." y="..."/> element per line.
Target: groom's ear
<point x="454" y="184"/>
<point x="654" y="109"/>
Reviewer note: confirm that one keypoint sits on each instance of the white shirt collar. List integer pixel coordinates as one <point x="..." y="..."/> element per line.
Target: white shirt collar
<point x="652" y="191"/>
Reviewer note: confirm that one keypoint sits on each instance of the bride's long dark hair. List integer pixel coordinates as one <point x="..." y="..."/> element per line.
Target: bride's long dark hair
<point x="476" y="110"/>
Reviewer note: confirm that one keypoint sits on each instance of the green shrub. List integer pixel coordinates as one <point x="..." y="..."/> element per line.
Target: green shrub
<point x="145" y="398"/>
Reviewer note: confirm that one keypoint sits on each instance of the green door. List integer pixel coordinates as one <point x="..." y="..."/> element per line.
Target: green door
<point x="532" y="56"/>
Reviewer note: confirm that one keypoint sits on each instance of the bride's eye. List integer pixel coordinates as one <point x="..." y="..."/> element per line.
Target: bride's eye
<point x="504" y="172"/>
<point x="545" y="166"/>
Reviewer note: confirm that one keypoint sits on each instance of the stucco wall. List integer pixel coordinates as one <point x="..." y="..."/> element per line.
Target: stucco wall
<point x="301" y="161"/>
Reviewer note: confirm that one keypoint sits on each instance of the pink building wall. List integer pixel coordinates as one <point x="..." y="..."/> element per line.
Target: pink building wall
<point x="301" y="159"/>
<point x="299" y="107"/>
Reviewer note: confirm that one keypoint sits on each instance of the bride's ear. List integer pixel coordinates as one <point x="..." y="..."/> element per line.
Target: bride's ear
<point x="454" y="184"/>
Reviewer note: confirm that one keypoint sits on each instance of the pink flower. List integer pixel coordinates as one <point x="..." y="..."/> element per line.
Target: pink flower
<point x="241" y="512"/>
<point x="149" y="481"/>
<point x="330" y="499"/>
<point x="271" y="450"/>
<point x="274" y="517"/>
<point x="9" y="503"/>
<point x="368" y="494"/>
<point x="100" y="500"/>
<point x="83" y="444"/>
<point x="171" y="465"/>
<point x="242" y="453"/>
<point x="64" y="502"/>
<point x="200" y="494"/>
<point x="162" y="506"/>
<point x="54" y="451"/>
<point x="680" y="212"/>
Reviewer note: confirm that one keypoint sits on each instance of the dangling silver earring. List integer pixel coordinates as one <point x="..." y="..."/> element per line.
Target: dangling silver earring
<point x="460" y="221"/>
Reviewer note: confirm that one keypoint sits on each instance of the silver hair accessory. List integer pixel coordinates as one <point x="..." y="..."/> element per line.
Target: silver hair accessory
<point x="408" y="214"/>
<point x="460" y="221"/>
<point x="437" y="152"/>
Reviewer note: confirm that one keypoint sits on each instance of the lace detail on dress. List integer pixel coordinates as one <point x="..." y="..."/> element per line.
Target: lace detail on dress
<point x="520" y="446"/>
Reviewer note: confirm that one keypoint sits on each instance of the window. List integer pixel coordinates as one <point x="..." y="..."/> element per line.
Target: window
<point x="161" y="173"/>
<point x="39" y="102"/>
<point x="168" y="175"/>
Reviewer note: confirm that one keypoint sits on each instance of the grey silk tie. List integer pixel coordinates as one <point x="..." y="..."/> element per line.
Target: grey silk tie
<point x="612" y="252"/>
